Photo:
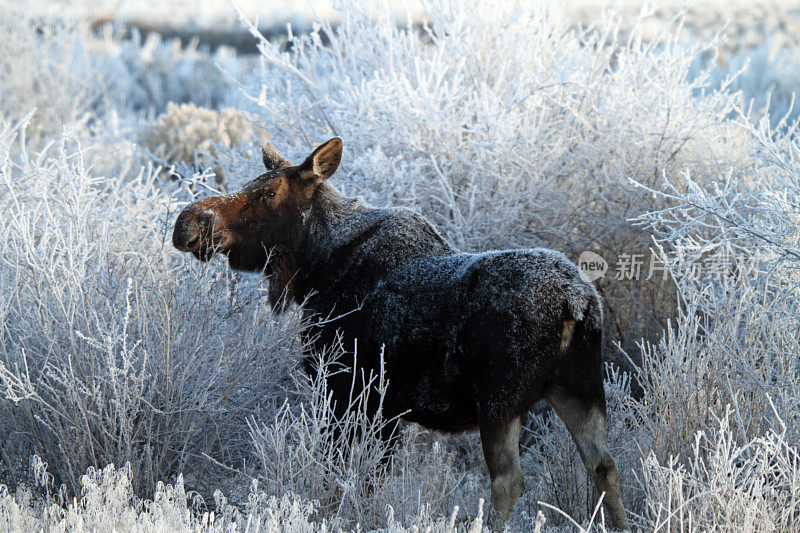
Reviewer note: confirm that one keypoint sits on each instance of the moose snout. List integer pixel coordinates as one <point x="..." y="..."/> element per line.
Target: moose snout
<point x="191" y="228"/>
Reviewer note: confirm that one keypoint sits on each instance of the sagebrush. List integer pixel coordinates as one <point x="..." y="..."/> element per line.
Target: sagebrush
<point x="507" y="126"/>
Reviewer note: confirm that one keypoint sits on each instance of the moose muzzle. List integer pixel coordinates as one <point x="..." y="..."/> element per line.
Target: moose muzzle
<point x="191" y="228"/>
<point x="198" y="231"/>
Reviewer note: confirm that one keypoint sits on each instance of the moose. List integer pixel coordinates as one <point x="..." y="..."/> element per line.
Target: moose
<point x="468" y="340"/>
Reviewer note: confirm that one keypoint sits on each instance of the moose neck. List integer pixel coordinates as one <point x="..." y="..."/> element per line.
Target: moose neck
<point x="318" y="232"/>
<point x="347" y="246"/>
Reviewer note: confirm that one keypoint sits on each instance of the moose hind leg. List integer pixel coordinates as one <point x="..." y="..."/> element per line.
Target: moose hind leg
<point x="500" y="441"/>
<point x="587" y="425"/>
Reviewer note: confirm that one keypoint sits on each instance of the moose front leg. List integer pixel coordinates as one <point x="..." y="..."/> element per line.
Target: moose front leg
<point x="500" y="442"/>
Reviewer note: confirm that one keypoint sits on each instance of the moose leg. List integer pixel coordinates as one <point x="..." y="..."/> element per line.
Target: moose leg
<point x="587" y="425"/>
<point x="500" y="442"/>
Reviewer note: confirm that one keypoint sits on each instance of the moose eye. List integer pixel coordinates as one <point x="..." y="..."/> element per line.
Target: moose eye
<point x="269" y="194"/>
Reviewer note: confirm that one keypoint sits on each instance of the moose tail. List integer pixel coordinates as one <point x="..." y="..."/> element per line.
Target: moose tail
<point x="581" y="356"/>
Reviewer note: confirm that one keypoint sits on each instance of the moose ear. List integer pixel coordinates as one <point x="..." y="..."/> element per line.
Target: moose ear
<point x="272" y="159"/>
<point x="323" y="162"/>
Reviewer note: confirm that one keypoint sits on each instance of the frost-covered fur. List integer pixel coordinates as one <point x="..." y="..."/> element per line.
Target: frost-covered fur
<point x="396" y="283"/>
<point x="466" y="340"/>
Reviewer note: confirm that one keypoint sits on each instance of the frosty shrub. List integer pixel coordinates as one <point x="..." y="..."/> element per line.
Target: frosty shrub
<point x="80" y="80"/>
<point x="348" y="468"/>
<point x="109" y="503"/>
<point x="742" y="319"/>
<point x="726" y="485"/>
<point x="143" y="75"/>
<point x="769" y="78"/>
<point x="508" y="128"/>
<point x="191" y="134"/>
<point x="44" y="65"/>
<point x="336" y="460"/>
<point x="720" y="411"/>
<point x="713" y="441"/>
<point x="112" y="350"/>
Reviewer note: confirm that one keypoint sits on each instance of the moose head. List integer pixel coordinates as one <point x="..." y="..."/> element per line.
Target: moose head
<point x="266" y="213"/>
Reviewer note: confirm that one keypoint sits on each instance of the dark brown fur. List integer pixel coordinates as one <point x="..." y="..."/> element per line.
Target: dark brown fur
<point x="469" y="340"/>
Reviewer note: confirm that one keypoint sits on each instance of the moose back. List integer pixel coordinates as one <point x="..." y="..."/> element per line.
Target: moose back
<point x="468" y="340"/>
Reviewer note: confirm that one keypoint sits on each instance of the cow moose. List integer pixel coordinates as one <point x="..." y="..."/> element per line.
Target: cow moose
<point x="470" y="340"/>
